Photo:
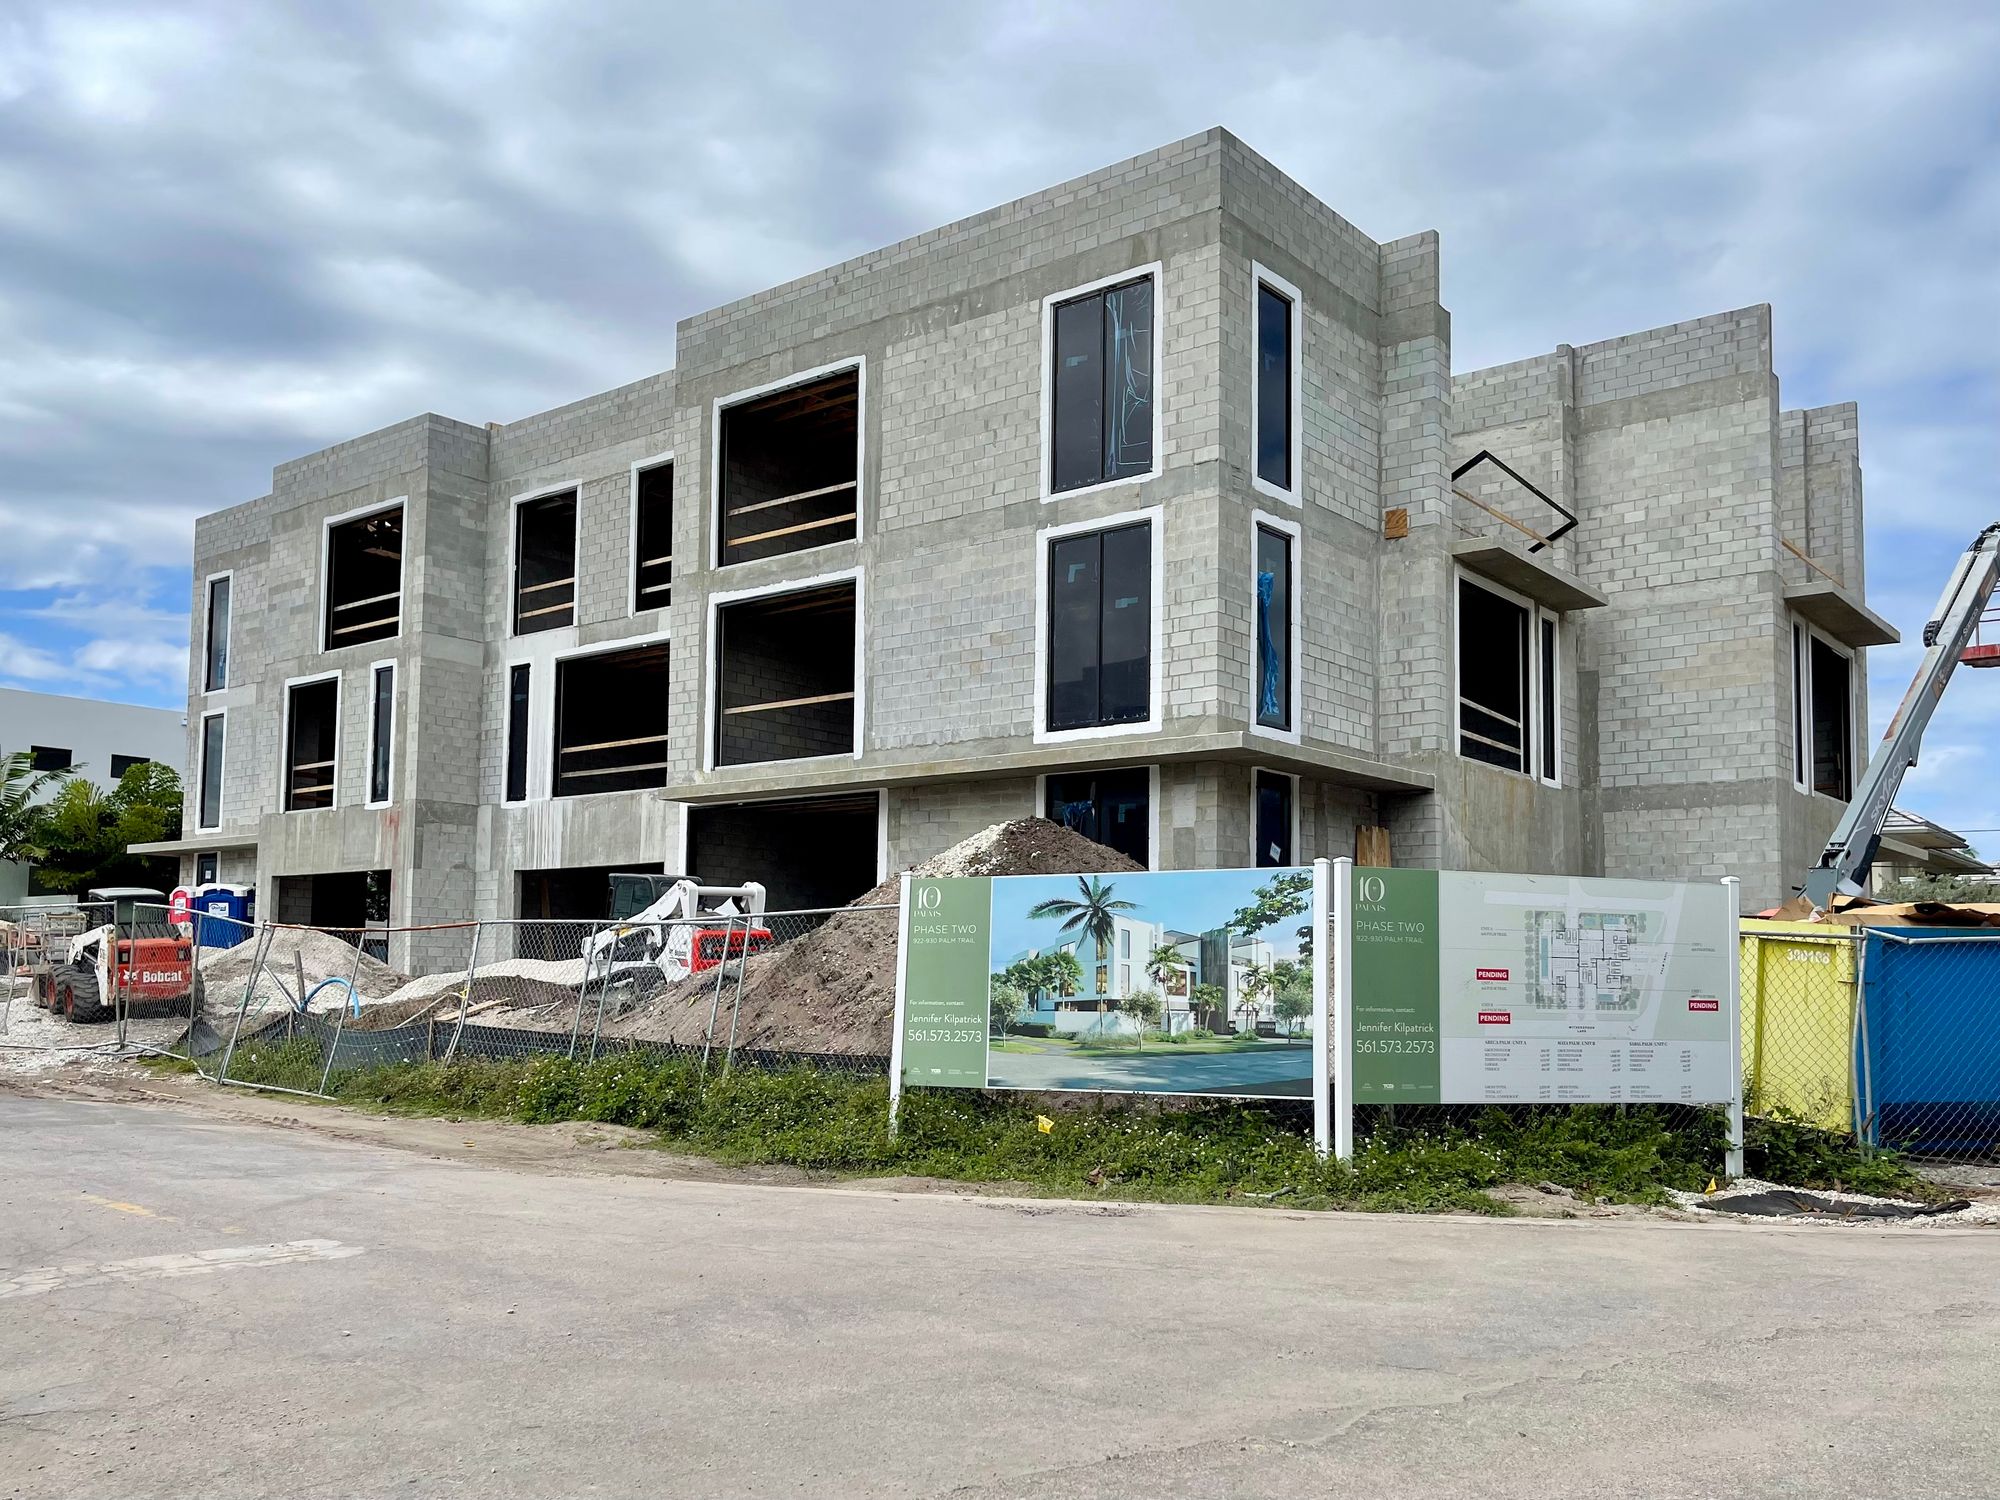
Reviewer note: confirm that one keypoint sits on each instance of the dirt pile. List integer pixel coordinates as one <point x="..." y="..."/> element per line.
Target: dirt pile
<point x="832" y="989"/>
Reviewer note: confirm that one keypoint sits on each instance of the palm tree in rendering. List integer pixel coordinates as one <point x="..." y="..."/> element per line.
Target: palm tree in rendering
<point x="1094" y="916"/>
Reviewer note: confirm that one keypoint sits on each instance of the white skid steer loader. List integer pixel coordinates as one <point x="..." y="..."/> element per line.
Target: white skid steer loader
<point x="668" y="927"/>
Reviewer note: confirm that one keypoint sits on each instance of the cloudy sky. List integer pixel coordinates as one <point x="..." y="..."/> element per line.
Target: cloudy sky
<point x="230" y="234"/>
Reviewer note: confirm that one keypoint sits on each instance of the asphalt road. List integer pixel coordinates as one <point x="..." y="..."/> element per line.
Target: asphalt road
<point x="1274" y="1070"/>
<point x="192" y="1306"/>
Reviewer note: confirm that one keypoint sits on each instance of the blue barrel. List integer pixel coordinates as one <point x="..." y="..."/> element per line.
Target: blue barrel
<point x="235" y="902"/>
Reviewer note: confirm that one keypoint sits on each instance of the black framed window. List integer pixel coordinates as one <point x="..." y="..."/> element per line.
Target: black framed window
<point x="50" y="758"/>
<point x="1832" y="721"/>
<point x="1551" y="698"/>
<point x="1273" y="794"/>
<point x="1101" y="402"/>
<point x="364" y="579"/>
<point x="545" y="563"/>
<point x="785" y="675"/>
<point x="207" y="867"/>
<point x="312" y="719"/>
<point x="1100" y="628"/>
<point x="611" y="722"/>
<point x="517" y="733"/>
<point x="1274" y="386"/>
<point x="791" y="469"/>
<point x="1274" y="628"/>
<point x="381" y="731"/>
<point x="209" y="809"/>
<point x="120" y="764"/>
<point x="1494" y="678"/>
<point x="1112" y="808"/>
<point x="653" y="536"/>
<point x="1801" y="725"/>
<point x="215" y="672"/>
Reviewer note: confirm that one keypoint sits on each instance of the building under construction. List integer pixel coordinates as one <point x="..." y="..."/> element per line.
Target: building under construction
<point x="1150" y="503"/>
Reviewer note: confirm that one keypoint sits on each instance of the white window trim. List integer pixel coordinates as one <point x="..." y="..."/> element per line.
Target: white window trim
<point x="506" y="707"/>
<point x="544" y="697"/>
<point x="285" y="739"/>
<point x="1544" y="689"/>
<point x="657" y="461"/>
<point x="1256" y="771"/>
<point x="1263" y="520"/>
<point x="712" y="665"/>
<point x="1803" y="665"/>
<point x="208" y="584"/>
<point x="1157" y="271"/>
<point x="374" y="728"/>
<point x="1799" y="643"/>
<point x="1260" y="276"/>
<point x="539" y="653"/>
<point x="1152" y="801"/>
<point x="327" y="525"/>
<point x="855" y="362"/>
<point x="1531" y="739"/>
<point x="513" y="594"/>
<point x="1156" y="649"/>
<point x="201" y="767"/>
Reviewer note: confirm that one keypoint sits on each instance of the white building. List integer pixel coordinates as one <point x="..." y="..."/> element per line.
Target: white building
<point x="98" y="740"/>
<point x="1113" y="970"/>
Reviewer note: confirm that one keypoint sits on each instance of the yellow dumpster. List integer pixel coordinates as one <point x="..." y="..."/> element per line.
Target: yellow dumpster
<point x="1798" y="1020"/>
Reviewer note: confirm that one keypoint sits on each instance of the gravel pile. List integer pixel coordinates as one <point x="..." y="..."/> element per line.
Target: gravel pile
<point x="319" y="955"/>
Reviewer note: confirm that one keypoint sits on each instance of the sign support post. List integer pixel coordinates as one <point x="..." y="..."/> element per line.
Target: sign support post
<point x="1322" y="964"/>
<point x="1341" y="1010"/>
<point x="1733" y="1162"/>
<point x="897" y="1023"/>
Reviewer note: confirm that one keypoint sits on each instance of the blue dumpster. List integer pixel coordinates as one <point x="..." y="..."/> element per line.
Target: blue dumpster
<point x="235" y="903"/>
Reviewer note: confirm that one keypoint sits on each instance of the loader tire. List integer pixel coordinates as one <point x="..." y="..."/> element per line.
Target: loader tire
<point x="79" y="1000"/>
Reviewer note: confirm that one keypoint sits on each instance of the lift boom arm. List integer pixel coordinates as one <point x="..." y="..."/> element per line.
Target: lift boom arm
<point x="1851" y="850"/>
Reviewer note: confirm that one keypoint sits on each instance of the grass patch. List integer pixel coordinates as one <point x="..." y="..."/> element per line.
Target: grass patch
<point x="1114" y="1147"/>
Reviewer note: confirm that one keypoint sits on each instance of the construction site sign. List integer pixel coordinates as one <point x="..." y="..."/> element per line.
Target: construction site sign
<point x="1540" y="989"/>
<point x="1172" y="982"/>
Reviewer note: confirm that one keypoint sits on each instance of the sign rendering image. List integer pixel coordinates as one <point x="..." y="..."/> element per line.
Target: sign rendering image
<point x="1177" y="982"/>
<point x="1526" y="989"/>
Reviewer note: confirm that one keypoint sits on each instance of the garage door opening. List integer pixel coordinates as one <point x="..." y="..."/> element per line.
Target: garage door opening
<point x="353" y="905"/>
<point x="807" y="853"/>
<point x="581" y="893"/>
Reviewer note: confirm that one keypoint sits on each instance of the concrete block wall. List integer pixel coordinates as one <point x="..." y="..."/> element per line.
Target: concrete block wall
<point x="1668" y="445"/>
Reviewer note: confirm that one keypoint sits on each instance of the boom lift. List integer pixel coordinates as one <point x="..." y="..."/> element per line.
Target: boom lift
<point x="1952" y="637"/>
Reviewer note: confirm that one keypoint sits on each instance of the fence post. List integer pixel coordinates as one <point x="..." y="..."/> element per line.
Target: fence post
<point x="465" y="1003"/>
<point x="1322" y="1058"/>
<point x="1733" y="1163"/>
<point x="1341" y="1009"/>
<point x="583" y="990"/>
<point x="353" y="1002"/>
<point x="722" y="968"/>
<point x="257" y="958"/>
<point x="902" y="999"/>
<point x="1861" y="1064"/>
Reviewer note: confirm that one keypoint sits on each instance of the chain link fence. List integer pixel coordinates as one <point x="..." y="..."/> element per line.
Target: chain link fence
<point x="1885" y="1034"/>
<point x="93" y="978"/>
<point x="294" y="1008"/>
<point x="1927" y="1046"/>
